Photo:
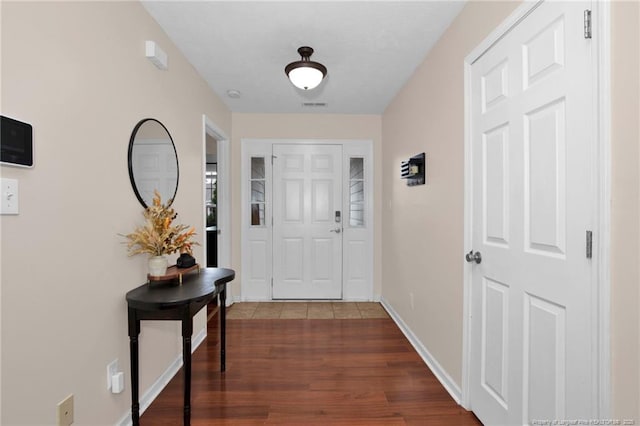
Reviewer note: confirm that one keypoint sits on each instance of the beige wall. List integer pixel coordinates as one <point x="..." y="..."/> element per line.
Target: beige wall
<point x="305" y="126"/>
<point x="427" y="115"/>
<point x="77" y="73"/>
<point x="422" y="234"/>
<point x="625" y="210"/>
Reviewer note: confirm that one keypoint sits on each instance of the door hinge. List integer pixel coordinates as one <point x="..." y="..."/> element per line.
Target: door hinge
<point x="272" y="157"/>
<point x="587" y="24"/>
<point x="589" y="244"/>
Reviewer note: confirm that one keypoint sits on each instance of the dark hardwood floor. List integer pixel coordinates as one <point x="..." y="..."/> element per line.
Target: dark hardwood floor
<point x="309" y="372"/>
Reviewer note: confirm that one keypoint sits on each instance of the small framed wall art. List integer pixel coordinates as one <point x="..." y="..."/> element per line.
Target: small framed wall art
<point x="413" y="170"/>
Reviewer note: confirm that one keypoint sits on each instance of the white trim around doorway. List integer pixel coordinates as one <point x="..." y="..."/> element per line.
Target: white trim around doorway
<point x="224" y="173"/>
<point x="256" y="241"/>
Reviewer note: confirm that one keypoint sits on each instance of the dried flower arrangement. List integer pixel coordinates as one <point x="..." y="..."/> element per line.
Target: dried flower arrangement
<point x="158" y="236"/>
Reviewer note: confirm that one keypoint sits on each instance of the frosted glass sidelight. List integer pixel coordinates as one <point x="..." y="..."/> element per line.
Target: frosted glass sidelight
<point x="257" y="168"/>
<point x="258" y="191"/>
<point x="356" y="192"/>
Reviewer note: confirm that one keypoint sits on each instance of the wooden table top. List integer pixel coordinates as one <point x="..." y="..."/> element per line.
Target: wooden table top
<point x="196" y="285"/>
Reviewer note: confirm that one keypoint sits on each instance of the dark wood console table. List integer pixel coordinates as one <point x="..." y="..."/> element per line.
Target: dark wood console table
<point x="173" y="301"/>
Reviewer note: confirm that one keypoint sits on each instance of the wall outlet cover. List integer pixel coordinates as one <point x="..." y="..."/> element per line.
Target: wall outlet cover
<point x="112" y="370"/>
<point x="117" y="382"/>
<point x="65" y="411"/>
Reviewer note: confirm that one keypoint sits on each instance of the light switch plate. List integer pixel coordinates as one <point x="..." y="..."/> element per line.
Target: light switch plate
<point x="8" y="196"/>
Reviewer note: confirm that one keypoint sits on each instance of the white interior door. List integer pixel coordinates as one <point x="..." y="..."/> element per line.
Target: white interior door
<point x="307" y="236"/>
<point x="532" y="141"/>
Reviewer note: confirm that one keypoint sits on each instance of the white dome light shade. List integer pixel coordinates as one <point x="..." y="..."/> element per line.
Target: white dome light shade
<point x="305" y="74"/>
<point x="305" y="78"/>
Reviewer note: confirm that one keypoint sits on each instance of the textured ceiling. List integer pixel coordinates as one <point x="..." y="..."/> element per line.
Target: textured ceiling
<point x="370" y="48"/>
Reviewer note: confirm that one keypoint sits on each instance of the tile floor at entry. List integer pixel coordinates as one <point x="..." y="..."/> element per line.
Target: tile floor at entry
<point x="306" y="310"/>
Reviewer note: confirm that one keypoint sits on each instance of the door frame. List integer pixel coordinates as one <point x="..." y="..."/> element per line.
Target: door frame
<point x="601" y="392"/>
<point x="256" y="253"/>
<point x="224" y="173"/>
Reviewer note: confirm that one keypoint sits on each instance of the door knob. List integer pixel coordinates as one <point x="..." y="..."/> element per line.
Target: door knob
<point x="473" y="257"/>
<point x="337" y="230"/>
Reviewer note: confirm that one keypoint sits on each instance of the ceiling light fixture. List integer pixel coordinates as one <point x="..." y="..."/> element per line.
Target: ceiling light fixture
<point x="305" y="74"/>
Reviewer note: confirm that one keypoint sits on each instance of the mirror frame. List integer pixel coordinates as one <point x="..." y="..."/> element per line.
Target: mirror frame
<point x="130" y="165"/>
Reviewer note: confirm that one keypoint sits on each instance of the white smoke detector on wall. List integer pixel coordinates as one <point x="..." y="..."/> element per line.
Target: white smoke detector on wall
<point x="157" y="56"/>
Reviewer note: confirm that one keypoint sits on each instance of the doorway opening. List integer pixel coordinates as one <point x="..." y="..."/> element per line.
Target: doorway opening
<point x="216" y="211"/>
<point x="211" y="201"/>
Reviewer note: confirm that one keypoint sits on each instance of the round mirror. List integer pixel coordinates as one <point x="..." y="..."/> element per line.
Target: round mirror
<point x="153" y="162"/>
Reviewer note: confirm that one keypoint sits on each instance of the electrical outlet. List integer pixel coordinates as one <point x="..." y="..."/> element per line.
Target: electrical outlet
<point x="65" y="411"/>
<point x="112" y="369"/>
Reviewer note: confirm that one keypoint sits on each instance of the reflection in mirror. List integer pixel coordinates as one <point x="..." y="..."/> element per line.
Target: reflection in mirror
<point x="153" y="162"/>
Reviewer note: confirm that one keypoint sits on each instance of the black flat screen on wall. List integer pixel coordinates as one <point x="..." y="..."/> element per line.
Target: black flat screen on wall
<point x="16" y="142"/>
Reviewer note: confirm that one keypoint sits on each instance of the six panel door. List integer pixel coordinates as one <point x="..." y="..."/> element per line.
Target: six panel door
<point x="307" y="238"/>
<point x="532" y="142"/>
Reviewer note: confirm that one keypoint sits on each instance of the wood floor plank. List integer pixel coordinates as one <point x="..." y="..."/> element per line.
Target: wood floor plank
<point x="347" y="372"/>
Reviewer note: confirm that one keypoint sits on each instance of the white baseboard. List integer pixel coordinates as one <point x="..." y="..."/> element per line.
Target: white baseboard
<point x="239" y="299"/>
<point x="154" y="390"/>
<point x="437" y="370"/>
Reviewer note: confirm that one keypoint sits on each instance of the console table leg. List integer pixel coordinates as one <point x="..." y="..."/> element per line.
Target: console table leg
<point x="187" y="330"/>
<point x="186" y="357"/>
<point x="223" y="326"/>
<point x="134" y="332"/>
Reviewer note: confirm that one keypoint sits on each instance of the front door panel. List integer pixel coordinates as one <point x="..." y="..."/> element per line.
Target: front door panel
<point x="307" y="240"/>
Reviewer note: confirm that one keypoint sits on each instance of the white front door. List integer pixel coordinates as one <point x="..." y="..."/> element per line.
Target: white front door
<point x="532" y="147"/>
<point x="307" y="222"/>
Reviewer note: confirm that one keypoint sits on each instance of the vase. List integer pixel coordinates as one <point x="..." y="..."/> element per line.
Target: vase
<point x="158" y="266"/>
